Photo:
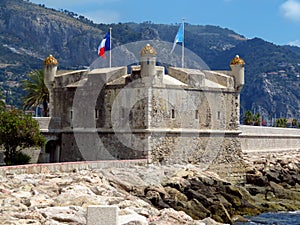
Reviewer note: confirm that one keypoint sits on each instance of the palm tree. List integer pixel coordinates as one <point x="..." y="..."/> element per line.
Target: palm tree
<point x="37" y="92"/>
<point x="256" y="119"/>
<point x="248" y="118"/>
<point x="281" y="122"/>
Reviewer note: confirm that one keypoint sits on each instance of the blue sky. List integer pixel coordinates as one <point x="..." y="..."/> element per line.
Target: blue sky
<point x="276" y="21"/>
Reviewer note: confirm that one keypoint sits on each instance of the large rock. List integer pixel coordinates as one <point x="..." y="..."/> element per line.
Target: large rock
<point x="69" y="215"/>
<point x="171" y="217"/>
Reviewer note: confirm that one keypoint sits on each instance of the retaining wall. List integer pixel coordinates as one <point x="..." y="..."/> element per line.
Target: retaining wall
<point x="68" y="166"/>
<point x="253" y="140"/>
<point x="262" y="139"/>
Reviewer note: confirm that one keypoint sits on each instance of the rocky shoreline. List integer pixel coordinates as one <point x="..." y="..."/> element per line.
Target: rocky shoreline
<point x="177" y="194"/>
<point x="273" y="180"/>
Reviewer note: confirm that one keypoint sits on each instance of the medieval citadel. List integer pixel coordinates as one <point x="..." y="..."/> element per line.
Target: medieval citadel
<point x="182" y="116"/>
<point x="187" y="115"/>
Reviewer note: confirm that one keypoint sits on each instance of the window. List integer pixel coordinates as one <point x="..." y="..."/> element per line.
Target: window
<point x="173" y="114"/>
<point x="123" y="113"/>
<point x="96" y="113"/>
<point x="219" y="115"/>
<point x="196" y="114"/>
<point x="71" y="114"/>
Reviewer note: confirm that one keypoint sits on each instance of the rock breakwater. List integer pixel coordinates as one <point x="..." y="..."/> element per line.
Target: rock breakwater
<point x="177" y="194"/>
<point x="273" y="180"/>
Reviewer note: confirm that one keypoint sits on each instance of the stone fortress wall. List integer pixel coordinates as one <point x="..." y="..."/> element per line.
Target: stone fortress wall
<point x="257" y="139"/>
<point x="253" y="140"/>
<point x="185" y="116"/>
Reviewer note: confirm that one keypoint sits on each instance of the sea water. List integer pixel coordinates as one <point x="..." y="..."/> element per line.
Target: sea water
<point x="280" y="218"/>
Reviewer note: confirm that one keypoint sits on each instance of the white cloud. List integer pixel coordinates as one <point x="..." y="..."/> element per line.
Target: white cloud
<point x="295" y="43"/>
<point x="290" y="9"/>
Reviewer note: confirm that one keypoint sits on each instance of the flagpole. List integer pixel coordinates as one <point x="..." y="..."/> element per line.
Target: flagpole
<point x="182" y="48"/>
<point x="110" y="37"/>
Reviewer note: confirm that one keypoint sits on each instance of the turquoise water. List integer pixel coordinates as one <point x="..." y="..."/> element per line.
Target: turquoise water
<point x="282" y="218"/>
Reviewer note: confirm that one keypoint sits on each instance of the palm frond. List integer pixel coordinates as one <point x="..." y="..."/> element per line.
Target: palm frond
<point x="36" y="90"/>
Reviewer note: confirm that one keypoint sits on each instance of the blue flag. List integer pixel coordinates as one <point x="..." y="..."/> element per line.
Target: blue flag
<point x="179" y="37"/>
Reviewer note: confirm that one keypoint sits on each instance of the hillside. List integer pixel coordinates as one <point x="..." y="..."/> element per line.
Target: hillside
<point x="272" y="78"/>
<point x="29" y="33"/>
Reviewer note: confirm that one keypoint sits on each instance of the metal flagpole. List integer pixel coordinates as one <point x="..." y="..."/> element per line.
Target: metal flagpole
<point x="110" y="37"/>
<point x="182" y="49"/>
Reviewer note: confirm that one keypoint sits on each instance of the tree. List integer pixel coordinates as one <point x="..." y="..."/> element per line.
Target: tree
<point x="248" y="118"/>
<point x="256" y="119"/>
<point x="281" y="122"/>
<point x="18" y="131"/>
<point x="37" y="92"/>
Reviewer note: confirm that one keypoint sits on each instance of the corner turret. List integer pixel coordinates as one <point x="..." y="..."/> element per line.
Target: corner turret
<point x="50" y="69"/>
<point x="237" y="65"/>
<point x="148" y="61"/>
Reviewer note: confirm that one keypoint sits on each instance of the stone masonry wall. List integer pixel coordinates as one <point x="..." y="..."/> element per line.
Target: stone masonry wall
<point x="260" y="139"/>
<point x="125" y="108"/>
<point x="174" y="108"/>
<point x="91" y="146"/>
<point x="200" y="148"/>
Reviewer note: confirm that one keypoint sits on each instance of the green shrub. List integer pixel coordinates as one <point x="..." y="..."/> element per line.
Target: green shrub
<point x="18" y="159"/>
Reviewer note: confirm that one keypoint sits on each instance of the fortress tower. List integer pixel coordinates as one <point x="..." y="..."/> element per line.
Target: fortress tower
<point x="237" y="65"/>
<point x="148" y="61"/>
<point x="50" y="68"/>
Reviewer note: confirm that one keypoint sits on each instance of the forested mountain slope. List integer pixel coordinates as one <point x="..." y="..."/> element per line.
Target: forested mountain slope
<point x="30" y="32"/>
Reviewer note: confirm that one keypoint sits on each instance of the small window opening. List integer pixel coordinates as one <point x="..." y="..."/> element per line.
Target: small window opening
<point x="71" y="117"/>
<point x="196" y="114"/>
<point x="123" y="113"/>
<point x="173" y="113"/>
<point x="219" y="115"/>
<point x="96" y="113"/>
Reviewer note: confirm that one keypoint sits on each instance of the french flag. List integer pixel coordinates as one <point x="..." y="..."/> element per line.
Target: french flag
<point x="104" y="45"/>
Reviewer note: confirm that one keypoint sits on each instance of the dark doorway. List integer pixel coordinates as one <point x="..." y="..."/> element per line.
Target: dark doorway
<point x="51" y="150"/>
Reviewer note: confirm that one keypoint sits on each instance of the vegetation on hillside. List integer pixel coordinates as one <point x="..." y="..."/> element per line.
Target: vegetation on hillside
<point x="30" y="32"/>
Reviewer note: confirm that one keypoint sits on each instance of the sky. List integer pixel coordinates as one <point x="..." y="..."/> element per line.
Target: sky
<point x="276" y="21"/>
